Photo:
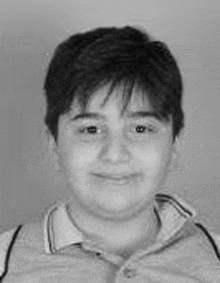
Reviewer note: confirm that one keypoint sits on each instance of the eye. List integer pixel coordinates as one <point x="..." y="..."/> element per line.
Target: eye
<point x="88" y="130"/>
<point x="145" y="129"/>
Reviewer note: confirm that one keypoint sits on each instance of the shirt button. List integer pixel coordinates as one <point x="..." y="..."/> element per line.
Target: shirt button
<point x="129" y="272"/>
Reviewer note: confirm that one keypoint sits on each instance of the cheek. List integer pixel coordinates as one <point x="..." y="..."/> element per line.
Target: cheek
<point x="74" y="154"/>
<point x="84" y="155"/>
<point x="76" y="159"/>
<point x="154" y="159"/>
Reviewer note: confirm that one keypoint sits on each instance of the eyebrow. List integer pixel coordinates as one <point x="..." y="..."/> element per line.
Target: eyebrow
<point x="97" y="116"/>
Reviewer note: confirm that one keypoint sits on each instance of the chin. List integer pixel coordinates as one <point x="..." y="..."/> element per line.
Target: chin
<point x="120" y="211"/>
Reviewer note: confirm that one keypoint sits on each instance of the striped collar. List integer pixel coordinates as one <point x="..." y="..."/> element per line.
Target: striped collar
<point x="60" y="232"/>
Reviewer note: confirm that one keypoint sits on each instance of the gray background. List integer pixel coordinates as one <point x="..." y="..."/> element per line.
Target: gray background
<point x="29" y="32"/>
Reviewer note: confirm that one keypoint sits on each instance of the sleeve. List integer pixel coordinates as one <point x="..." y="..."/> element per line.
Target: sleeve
<point x="7" y="240"/>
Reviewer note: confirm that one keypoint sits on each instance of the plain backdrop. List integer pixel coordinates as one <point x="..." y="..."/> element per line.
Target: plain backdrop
<point x="29" y="32"/>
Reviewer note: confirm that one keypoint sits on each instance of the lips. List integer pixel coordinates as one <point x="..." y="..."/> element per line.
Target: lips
<point x="120" y="178"/>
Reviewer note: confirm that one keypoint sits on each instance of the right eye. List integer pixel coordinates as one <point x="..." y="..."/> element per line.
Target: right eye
<point x="88" y="130"/>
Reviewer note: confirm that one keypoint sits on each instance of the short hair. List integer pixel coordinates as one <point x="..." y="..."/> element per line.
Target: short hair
<point x="118" y="56"/>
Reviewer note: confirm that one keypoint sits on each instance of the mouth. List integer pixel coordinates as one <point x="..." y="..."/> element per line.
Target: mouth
<point x="116" y="178"/>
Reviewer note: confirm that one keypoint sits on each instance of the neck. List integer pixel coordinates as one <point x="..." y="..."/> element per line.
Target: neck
<point x="120" y="236"/>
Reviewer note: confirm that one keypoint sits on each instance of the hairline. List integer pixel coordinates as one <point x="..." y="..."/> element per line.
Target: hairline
<point x="125" y="101"/>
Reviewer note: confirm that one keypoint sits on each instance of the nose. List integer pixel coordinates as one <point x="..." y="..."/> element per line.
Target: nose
<point x="115" y="150"/>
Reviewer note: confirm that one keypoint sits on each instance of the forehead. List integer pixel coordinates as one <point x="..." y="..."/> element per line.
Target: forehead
<point x="139" y="101"/>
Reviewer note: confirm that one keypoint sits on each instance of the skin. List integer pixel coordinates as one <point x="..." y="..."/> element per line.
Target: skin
<point x="101" y="206"/>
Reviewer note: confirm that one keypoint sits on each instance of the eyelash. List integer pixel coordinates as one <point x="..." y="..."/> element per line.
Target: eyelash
<point x="81" y="130"/>
<point x="150" y="129"/>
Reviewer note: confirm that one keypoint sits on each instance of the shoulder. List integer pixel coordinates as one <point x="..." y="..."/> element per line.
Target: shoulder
<point x="216" y="242"/>
<point x="29" y="235"/>
<point x="7" y="238"/>
<point x="15" y="242"/>
<point x="208" y="240"/>
<point x="21" y="236"/>
<point x="216" y="237"/>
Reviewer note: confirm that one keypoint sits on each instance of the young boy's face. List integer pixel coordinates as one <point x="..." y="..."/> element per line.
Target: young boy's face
<point x="114" y="165"/>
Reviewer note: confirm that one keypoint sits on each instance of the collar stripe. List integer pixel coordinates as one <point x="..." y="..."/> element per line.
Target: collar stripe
<point x="164" y="197"/>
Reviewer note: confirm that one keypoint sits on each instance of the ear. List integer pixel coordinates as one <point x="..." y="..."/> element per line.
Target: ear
<point x="52" y="147"/>
<point x="175" y="158"/>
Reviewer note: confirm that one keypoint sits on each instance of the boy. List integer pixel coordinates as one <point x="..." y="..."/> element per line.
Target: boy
<point x="114" y="118"/>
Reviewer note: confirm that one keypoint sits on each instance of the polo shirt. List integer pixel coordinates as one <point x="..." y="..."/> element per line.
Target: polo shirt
<point x="54" y="250"/>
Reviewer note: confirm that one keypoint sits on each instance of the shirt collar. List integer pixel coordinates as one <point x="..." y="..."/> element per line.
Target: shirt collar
<point x="59" y="231"/>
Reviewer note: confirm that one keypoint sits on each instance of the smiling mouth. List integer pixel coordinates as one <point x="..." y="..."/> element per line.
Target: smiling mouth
<point x="117" y="179"/>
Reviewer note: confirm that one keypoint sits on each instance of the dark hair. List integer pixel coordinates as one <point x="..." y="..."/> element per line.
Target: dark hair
<point x="124" y="57"/>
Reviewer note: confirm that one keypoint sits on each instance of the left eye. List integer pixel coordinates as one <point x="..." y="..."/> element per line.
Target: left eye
<point x="143" y="129"/>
